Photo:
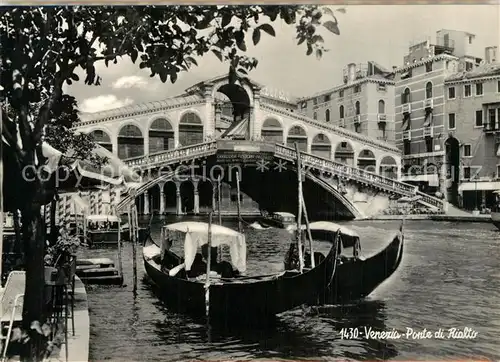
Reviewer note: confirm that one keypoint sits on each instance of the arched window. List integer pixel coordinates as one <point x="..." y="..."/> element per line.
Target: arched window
<point x="130" y="142"/>
<point x="405" y="96"/>
<point x="381" y="107"/>
<point x="272" y="131"/>
<point x="341" y="112"/>
<point x="102" y="138"/>
<point x="428" y="90"/>
<point x="190" y="129"/>
<point x="358" y="110"/>
<point x="327" y="115"/>
<point x="161" y="136"/>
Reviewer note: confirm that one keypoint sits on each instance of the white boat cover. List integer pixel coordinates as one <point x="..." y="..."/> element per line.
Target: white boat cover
<point x="195" y="234"/>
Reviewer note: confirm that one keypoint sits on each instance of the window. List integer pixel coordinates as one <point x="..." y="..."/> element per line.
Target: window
<point x="451" y="121"/>
<point x="451" y="93"/>
<point x="492" y="118"/>
<point x="428" y="90"/>
<point x="327" y="115"/>
<point x="470" y="39"/>
<point x="381" y="107"/>
<point x="467" y="151"/>
<point x="357" y="89"/>
<point x="479" y="89"/>
<point x="479" y="118"/>
<point x="303" y="105"/>
<point x="429" y="143"/>
<point x="341" y="93"/>
<point x="428" y="67"/>
<point x="315" y="115"/>
<point x="315" y="101"/>
<point x="498" y="86"/>
<point x="381" y="87"/>
<point x="467" y="90"/>
<point x="358" y="110"/>
<point x="406" y="147"/>
<point x="327" y="98"/>
<point x="467" y="173"/>
<point x="468" y="66"/>
<point x="406" y="97"/>
<point x="343" y="144"/>
<point x="341" y="112"/>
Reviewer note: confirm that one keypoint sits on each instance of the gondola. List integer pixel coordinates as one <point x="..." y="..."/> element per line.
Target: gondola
<point x="356" y="277"/>
<point x="234" y="298"/>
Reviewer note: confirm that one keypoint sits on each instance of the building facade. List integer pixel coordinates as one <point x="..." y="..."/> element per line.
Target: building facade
<point x="443" y="95"/>
<point x="473" y="117"/>
<point x="364" y="103"/>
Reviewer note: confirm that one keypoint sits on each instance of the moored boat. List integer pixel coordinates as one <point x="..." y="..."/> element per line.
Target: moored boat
<point x="282" y="220"/>
<point x="234" y="296"/>
<point x="495" y="211"/>
<point x="103" y="230"/>
<point x="356" y="277"/>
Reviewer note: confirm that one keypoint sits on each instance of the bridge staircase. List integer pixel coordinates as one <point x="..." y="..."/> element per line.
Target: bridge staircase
<point x="311" y="162"/>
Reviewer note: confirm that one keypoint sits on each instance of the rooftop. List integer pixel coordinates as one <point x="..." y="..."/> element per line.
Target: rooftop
<point x="486" y="70"/>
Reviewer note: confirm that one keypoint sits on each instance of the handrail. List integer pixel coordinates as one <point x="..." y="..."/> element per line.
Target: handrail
<point x="174" y="155"/>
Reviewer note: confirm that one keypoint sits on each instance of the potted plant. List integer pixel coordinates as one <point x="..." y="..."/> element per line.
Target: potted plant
<point x="60" y="255"/>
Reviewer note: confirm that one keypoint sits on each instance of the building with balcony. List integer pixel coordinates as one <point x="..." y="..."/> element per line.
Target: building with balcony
<point x="421" y="96"/>
<point x="473" y="117"/>
<point x="363" y="103"/>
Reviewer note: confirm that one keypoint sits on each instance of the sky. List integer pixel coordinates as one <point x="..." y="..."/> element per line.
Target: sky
<point x="381" y="33"/>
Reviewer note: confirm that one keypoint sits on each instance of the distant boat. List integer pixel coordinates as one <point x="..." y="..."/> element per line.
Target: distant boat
<point x="356" y="277"/>
<point x="233" y="297"/>
<point x="282" y="220"/>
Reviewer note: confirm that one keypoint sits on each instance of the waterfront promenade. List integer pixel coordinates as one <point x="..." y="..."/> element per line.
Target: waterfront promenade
<point x="78" y="345"/>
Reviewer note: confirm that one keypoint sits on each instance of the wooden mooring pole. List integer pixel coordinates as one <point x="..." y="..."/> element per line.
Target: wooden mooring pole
<point x="299" y="214"/>
<point x="133" y="224"/>
<point x="240" y="229"/>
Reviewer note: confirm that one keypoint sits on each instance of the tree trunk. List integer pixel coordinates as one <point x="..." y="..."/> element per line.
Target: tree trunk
<point x="34" y="297"/>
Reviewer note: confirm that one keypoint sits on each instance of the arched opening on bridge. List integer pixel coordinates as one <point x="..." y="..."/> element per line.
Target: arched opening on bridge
<point x="187" y="196"/>
<point x="388" y="167"/>
<point x="206" y="192"/>
<point x="102" y="139"/>
<point x="154" y="199"/>
<point x="239" y="102"/>
<point x="298" y="135"/>
<point x="321" y="146"/>
<point x="170" y="191"/>
<point x="161" y="136"/>
<point x="272" y="131"/>
<point x="367" y="161"/>
<point x="130" y="142"/>
<point x="344" y="153"/>
<point x="190" y="130"/>
<point x="452" y="146"/>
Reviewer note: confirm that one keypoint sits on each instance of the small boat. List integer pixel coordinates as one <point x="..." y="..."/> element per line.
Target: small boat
<point x="103" y="230"/>
<point x="282" y="220"/>
<point x="356" y="277"/>
<point x="234" y="297"/>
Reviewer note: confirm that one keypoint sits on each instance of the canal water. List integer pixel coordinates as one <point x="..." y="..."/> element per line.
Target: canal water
<point x="449" y="278"/>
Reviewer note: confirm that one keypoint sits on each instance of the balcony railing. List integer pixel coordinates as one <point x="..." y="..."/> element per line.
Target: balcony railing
<point x="342" y="122"/>
<point x="382" y="138"/>
<point x="357" y="119"/>
<point x="491" y="127"/>
<point x="407" y="135"/>
<point x="407" y="108"/>
<point x="428" y="131"/>
<point x="429" y="103"/>
<point x="382" y="117"/>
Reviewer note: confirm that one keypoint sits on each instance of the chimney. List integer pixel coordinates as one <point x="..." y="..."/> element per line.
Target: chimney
<point x="491" y="54"/>
<point x="351" y="72"/>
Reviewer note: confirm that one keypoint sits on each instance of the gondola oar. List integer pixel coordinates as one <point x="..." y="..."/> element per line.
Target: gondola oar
<point x="209" y="257"/>
<point x="299" y="215"/>
<point x="309" y="235"/>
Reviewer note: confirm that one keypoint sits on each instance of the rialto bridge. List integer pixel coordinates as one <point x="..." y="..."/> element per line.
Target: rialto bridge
<point x="182" y="144"/>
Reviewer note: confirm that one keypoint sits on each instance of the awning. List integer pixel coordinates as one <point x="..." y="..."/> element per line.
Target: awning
<point x="237" y="129"/>
<point x="479" y="186"/>
<point x="432" y="179"/>
<point x="428" y="119"/>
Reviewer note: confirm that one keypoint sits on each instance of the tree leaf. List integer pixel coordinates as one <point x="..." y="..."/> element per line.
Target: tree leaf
<point x="75" y="77"/>
<point x="256" y="36"/>
<point x="268" y="29"/>
<point x="163" y="75"/>
<point x="328" y="11"/>
<point x="218" y="54"/>
<point x="143" y="65"/>
<point x="319" y="54"/>
<point x="243" y="71"/>
<point x="309" y="49"/>
<point x="226" y="19"/>
<point x="301" y="40"/>
<point x="341" y="10"/>
<point x="133" y="55"/>
<point x="192" y="60"/>
<point x="242" y="46"/>
<point x="331" y="26"/>
<point x="69" y="81"/>
<point x="173" y="77"/>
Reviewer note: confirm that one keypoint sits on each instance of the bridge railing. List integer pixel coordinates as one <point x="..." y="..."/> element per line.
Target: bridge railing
<point x="357" y="174"/>
<point x="175" y="155"/>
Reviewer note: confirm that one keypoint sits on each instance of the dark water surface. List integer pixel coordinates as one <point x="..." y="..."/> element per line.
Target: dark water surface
<point x="449" y="278"/>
